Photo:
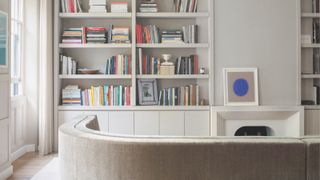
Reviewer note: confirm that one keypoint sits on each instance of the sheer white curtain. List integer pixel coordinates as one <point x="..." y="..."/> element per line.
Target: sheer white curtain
<point x="46" y="78"/>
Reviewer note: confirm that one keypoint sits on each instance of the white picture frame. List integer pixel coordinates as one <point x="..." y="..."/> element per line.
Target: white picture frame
<point x="4" y="64"/>
<point x="148" y="86"/>
<point x="249" y="96"/>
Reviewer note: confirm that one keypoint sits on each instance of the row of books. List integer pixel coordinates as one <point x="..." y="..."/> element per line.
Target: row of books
<point x="185" y="5"/>
<point x="148" y="6"/>
<point x="180" y="96"/>
<point x="190" y="33"/>
<point x="171" y="36"/>
<point x="71" y="95"/>
<point x="316" y="95"/>
<point x="120" y="64"/>
<point x="149" y="65"/>
<point x="106" y="96"/>
<point x="71" y="6"/>
<point x="316" y="61"/>
<point x="147" y="34"/>
<point x="316" y="30"/>
<point x="316" y="6"/>
<point x="67" y="65"/>
<point x="98" y="6"/>
<point x="187" y="65"/>
<point x="96" y="35"/>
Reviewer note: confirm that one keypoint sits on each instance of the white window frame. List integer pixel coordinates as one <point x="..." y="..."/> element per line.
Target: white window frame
<point x="19" y="78"/>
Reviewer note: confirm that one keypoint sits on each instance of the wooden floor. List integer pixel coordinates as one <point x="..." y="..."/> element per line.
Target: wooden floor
<point x="28" y="165"/>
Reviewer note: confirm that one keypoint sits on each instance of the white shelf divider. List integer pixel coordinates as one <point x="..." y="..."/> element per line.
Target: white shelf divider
<point x="310" y="15"/>
<point x="95" y="46"/>
<point x="310" y="76"/>
<point x="310" y="45"/>
<point x="173" y="15"/>
<point x="94" y="76"/>
<point x="96" y="15"/>
<point x="173" y="45"/>
<point x="134" y="108"/>
<point x="173" y="76"/>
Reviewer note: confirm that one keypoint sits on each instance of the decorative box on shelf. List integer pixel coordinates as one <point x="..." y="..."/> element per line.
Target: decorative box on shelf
<point x="166" y="70"/>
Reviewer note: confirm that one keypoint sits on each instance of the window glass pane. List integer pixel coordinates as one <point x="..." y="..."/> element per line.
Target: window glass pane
<point x="16" y="46"/>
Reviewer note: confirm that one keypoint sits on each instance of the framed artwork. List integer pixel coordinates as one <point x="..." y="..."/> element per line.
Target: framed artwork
<point x="241" y="87"/>
<point x="3" y="42"/>
<point x="148" y="92"/>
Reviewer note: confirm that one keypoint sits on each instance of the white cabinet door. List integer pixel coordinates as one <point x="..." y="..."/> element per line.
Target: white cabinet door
<point x="197" y="123"/>
<point x="171" y="123"/>
<point x="67" y="116"/>
<point x="103" y="119"/>
<point x="146" y="123"/>
<point x="312" y="122"/>
<point x="4" y="98"/>
<point x="121" y="123"/>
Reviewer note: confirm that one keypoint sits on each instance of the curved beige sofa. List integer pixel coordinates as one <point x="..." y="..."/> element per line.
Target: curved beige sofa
<point x="87" y="154"/>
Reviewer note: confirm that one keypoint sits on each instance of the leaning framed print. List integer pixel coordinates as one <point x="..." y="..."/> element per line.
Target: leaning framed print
<point x="148" y="92"/>
<point x="241" y="87"/>
<point x="3" y="42"/>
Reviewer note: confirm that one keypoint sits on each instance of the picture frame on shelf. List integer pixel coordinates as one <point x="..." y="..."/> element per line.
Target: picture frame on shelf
<point x="241" y="87"/>
<point x="148" y="92"/>
<point x="4" y="42"/>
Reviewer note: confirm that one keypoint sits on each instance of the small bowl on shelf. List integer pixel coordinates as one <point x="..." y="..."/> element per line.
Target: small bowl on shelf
<point x="88" y="71"/>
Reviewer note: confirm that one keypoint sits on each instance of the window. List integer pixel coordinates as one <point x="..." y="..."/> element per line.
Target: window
<point x="16" y="47"/>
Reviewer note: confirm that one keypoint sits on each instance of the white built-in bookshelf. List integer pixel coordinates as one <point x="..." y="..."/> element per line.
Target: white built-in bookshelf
<point x="308" y="77"/>
<point x="95" y="55"/>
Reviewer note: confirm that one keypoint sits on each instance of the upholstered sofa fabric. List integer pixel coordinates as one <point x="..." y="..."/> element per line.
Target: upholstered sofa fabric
<point x="88" y="154"/>
<point x="312" y="157"/>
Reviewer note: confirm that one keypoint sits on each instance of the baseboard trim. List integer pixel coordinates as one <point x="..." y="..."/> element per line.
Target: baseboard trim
<point x="22" y="151"/>
<point x="6" y="173"/>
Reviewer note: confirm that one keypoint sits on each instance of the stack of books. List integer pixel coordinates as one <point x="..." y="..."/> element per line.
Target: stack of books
<point x="120" y="64"/>
<point x="71" y="95"/>
<point x="119" y="7"/>
<point x="180" y="96"/>
<point x="120" y="35"/>
<point x="73" y="36"/>
<point x="149" y="6"/>
<point x="187" y="65"/>
<point x="96" y="35"/>
<point x="185" y="5"/>
<point x="315" y="6"/>
<point x="68" y="66"/>
<point x="171" y="36"/>
<point x="107" y="96"/>
<point x="71" y="6"/>
<point x="190" y="33"/>
<point x="98" y="6"/>
<point x="148" y="34"/>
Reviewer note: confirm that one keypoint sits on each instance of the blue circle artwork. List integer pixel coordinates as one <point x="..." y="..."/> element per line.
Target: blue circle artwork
<point x="241" y="87"/>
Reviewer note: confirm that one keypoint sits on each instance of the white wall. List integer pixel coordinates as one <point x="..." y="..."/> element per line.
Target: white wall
<point x="263" y="34"/>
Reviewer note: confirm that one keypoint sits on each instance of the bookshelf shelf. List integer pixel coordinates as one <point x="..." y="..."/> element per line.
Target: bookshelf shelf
<point x="134" y="108"/>
<point x="180" y="45"/>
<point x="312" y="107"/>
<point x="172" y="15"/>
<point x="310" y="15"/>
<point x="310" y="45"/>
<point x="173" y="77"/>
<point x="96" y="15"/>
<point x="96" y="76"/>
<point x="310" y="76"/>
<point x="95" y="46"/>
